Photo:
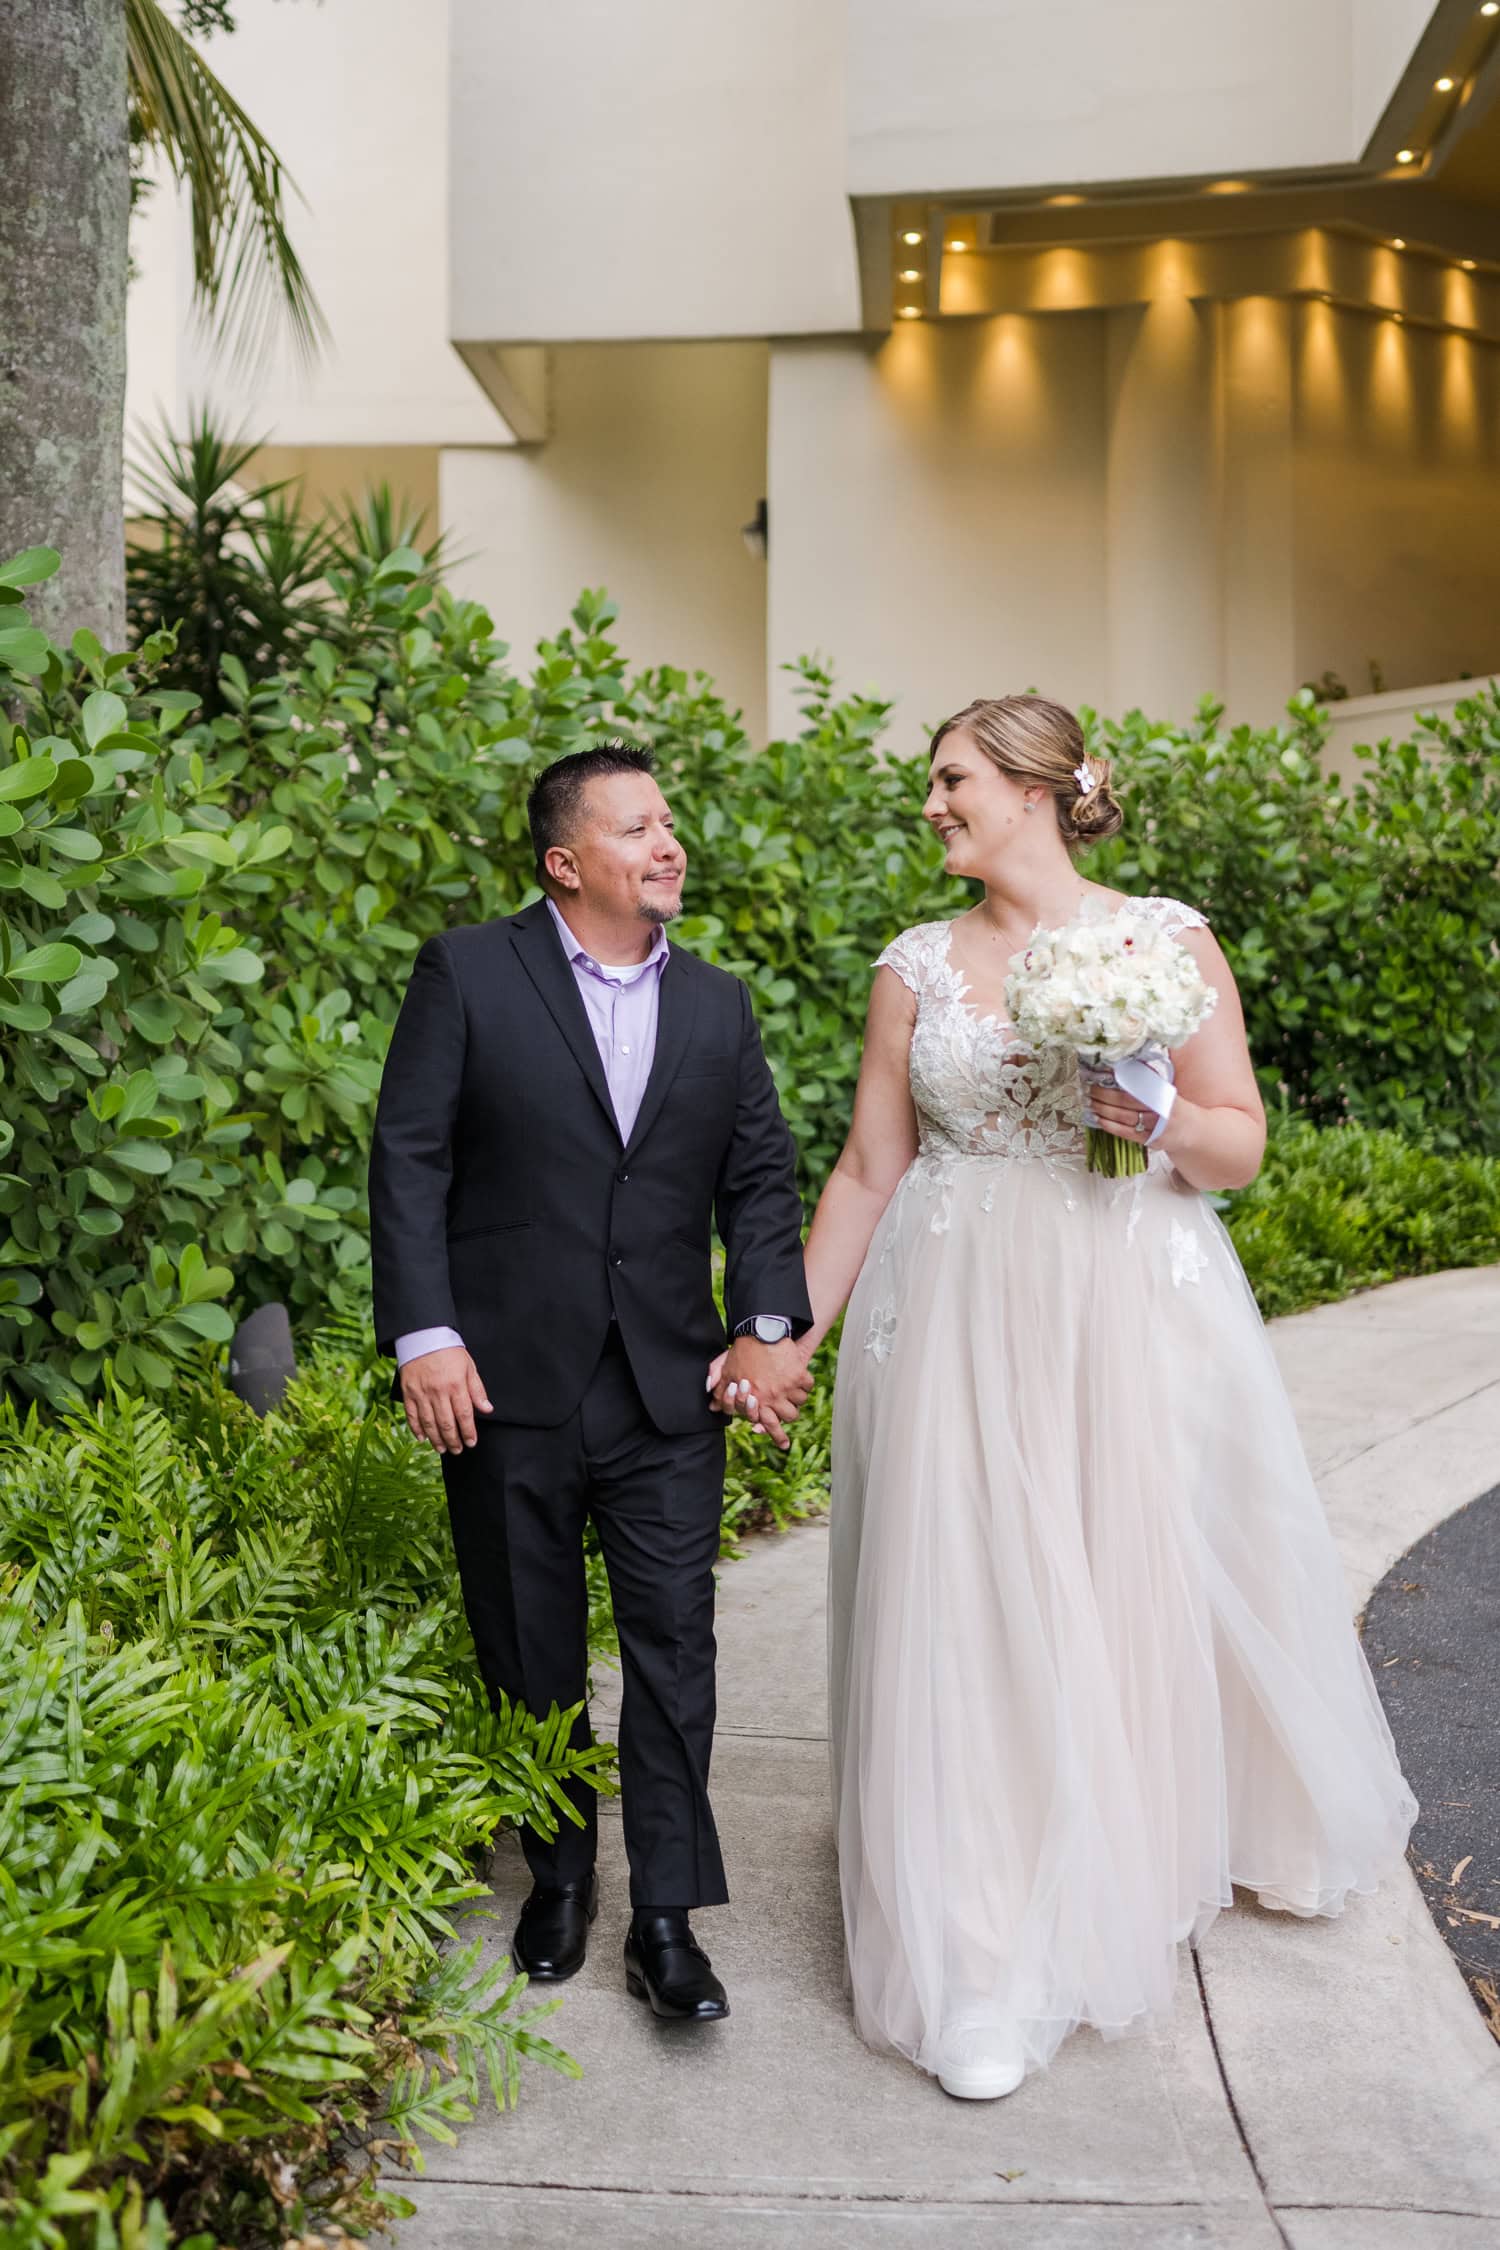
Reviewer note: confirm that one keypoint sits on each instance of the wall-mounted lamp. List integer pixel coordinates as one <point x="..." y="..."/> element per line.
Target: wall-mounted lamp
<point x="757" y="533"/>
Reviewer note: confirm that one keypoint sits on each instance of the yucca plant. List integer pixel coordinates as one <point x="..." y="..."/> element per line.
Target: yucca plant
<point x="247" y="1777"/>
<point x="223" y="560"/>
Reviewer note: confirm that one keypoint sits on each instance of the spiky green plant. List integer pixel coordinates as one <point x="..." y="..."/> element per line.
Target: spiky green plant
<point x="246" y="1775"/>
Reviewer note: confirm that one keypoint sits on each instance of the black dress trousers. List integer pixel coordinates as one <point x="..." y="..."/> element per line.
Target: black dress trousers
<point x="518" y="1501"/>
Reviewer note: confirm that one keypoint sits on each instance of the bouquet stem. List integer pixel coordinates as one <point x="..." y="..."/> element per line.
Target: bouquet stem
<point x="1115" y="1158"/>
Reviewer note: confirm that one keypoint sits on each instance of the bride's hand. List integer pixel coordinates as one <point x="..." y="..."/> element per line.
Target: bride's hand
<point x="1114" y="1111"/>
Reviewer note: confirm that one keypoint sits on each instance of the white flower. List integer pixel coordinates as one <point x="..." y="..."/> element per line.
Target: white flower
<point x="1107" y="985"/>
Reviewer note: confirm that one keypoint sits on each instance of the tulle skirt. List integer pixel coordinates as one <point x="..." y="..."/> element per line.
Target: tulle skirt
<point x="1091" y="1655"/>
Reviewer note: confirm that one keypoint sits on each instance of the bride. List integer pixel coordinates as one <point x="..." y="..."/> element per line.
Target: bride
<point x="1091" y="1658"/>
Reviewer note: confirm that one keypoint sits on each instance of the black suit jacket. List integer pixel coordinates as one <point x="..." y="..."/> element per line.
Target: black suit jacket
<point x="503" y="1204"/>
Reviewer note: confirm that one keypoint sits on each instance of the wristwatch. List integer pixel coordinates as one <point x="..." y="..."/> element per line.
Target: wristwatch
<point x="766" y="1328"/>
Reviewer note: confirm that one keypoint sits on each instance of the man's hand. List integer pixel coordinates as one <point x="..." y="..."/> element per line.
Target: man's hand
<point x="441" y="1392"/>
<point x="767" y="1383"/>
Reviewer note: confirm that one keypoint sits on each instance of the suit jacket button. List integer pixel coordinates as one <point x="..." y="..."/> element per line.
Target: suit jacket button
<point x="622" y="1177"/>
<point x="617" y="1260"/>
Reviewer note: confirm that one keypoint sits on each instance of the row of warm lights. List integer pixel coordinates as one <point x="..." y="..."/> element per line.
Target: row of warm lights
<point x="1445" y="85"/>
<point x="1398" y="241"/>
<point x="912" y="237"/>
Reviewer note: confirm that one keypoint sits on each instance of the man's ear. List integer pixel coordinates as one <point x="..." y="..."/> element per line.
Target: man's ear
<point x="562" y="867"/>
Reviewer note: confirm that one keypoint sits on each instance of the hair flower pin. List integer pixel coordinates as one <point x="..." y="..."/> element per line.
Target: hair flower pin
<point x="1084" y="776"/>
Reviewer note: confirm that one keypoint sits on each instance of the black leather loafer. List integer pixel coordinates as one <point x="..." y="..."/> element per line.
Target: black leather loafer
<point x="665" y="1966"/>
<point x="552" y="1936"/>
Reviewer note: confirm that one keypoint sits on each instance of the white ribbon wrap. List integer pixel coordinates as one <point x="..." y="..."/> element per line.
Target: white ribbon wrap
<point x="1149" y="1083"/>
<point x="1148" y="1086"/>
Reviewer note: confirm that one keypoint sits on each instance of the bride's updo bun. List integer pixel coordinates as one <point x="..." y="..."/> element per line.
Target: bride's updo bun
<point x="1037" y="742"/>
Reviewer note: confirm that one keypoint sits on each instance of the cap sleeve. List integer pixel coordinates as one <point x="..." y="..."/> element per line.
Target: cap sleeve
<point x="904" y="955"/>
<point x="1173" y="916"/>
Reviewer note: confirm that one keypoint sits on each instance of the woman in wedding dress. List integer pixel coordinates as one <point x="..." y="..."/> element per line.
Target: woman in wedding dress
<point x="1091" y="1655"/>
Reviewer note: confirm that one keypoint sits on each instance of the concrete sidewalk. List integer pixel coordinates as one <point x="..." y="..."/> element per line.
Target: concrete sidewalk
<point x="1322" y="2086"/>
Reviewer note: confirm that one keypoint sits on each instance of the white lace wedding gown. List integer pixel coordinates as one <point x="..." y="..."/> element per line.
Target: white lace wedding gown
<point x="1091" y="1653"/>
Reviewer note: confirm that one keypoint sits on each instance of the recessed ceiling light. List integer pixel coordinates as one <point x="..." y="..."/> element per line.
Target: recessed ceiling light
<point x="1398" y="242"/>
<point x="911" y="312"/>
<point x="1490" y="8"/>
<point x="1445" y="85"/>
<point x="1409" y="155"/>
<point x="1061" y="199"/>
<point x="958" y="245"/>
<point x="1398" y="318"/>
<point x="1467" y="264"/>
<point x="912" y="234"/>
<point x="909" y="273"/>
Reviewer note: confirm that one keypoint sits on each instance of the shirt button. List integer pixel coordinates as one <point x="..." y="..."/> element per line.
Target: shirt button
<point x="624" y="1050"/>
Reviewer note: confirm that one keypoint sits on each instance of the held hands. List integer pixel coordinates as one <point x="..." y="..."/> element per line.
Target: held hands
<point x="765" y="1383"/>
<point x="441" y="1392"/>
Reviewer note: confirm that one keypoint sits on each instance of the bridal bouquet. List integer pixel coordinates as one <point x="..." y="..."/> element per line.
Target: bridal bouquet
<point x="1112" y="987"/>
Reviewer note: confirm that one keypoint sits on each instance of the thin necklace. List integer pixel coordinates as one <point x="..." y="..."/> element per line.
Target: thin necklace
<point x="1002" y="936"/>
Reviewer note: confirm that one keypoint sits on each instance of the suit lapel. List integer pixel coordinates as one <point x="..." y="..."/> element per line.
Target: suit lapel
<point x="676" y="1006"/>
<point x="549" y="969"/>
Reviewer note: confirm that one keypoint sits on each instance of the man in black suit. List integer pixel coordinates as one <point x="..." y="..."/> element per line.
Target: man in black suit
<point x="568" y="1105"/>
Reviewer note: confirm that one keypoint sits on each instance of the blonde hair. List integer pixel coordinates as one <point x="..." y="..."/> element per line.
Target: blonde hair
<point x="1032" y="740"/>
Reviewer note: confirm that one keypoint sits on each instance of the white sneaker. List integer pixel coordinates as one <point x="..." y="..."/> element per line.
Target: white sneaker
<point x="980" y="2064"/>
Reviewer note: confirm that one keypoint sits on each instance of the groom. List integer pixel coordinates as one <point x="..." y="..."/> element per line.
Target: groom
<point x="568" y="1105"/>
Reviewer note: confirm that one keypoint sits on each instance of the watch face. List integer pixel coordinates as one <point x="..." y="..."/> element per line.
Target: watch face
<point x="769" y="1330"/>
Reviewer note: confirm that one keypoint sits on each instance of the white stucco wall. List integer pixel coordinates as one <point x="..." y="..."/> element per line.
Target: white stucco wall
<point x="1397" y="494"/>
<point x="662" y="169"/>
<point x="658" y="458"/>
<point x="973" y="94"/>
<point x="353" y="95"/>
<point x="938" y="514"/>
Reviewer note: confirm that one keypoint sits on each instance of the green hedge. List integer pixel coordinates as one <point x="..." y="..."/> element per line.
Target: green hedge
<point x="206" y="927"/>
<point x="1350" y="1208"/>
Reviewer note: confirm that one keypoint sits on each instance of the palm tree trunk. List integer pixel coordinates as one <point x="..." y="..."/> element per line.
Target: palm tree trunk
<point x="64" y="221"/>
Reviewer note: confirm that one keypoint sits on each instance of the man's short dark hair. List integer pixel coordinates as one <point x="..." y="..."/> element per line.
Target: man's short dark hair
<point x="556" y="796"/>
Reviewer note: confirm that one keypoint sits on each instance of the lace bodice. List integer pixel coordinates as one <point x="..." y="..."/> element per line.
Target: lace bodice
<point x="979" y="1090"/>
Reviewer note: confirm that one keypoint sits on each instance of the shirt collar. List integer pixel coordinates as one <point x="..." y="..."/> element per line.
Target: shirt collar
<point x="577" y="951"/>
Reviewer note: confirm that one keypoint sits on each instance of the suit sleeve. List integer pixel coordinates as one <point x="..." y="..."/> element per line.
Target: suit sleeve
<point x="411" y="1155"/>
<point x="757" y="1208"/>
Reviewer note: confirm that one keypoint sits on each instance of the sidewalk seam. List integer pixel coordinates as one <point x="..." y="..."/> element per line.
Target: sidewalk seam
<point x="1418" y="1422"/>
<point x="1233" y="2106"/>
<point x="916" y="2200"/>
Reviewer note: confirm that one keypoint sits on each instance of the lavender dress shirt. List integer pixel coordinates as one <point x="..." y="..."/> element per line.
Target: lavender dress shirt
<point x="622" y="1006"/>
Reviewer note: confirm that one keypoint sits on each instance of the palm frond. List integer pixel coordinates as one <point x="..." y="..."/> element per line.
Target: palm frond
<point x="246" y="272"/>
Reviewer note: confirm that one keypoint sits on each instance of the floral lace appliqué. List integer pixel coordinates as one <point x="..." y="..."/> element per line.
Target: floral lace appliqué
<point x="1188" y="1256"/>
<point x="880" y="1336"/>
